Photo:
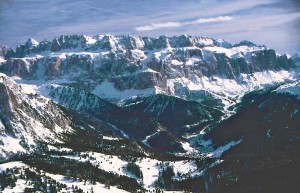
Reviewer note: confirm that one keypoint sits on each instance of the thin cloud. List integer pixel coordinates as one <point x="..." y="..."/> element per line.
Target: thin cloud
<point x="154" y="26"/>
<point x="105" y="10"/>
<point x="211" y="20"/>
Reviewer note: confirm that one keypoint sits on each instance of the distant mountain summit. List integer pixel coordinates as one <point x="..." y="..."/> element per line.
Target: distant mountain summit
<point x="296" y="59"/>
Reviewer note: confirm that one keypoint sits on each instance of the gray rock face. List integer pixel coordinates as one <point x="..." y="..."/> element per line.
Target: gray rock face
<point x="20" y="117"/>
<point x="5" y="51"/>
<point x="140" y="81"/>
<point x="8" y="102"/>
<point x="245" y="43"/>
<point x="67" y="42"/>
<point x="52" y="67"/>
<point x="20" y="67"/>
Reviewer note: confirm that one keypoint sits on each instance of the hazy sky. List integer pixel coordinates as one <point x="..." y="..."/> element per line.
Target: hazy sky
<point x="274" y="23"/>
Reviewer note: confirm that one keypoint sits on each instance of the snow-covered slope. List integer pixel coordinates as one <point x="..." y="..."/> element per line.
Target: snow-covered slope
<point x="26" y="118"/>
<point x="290" y="88"/>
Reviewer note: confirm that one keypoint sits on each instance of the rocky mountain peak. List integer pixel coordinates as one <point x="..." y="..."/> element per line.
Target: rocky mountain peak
<point x="296" y="58"/>
<point x="246" y="43"/>
<point x="31" y="43"/>
<point x="296" y="55"/>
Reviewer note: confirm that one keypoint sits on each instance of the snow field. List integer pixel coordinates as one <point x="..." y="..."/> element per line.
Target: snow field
<point x="86" y="187"/>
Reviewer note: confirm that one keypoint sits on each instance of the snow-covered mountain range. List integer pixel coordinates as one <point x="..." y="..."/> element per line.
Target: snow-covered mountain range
<point x="121" y="67"/>
<point x="164" y="99"/>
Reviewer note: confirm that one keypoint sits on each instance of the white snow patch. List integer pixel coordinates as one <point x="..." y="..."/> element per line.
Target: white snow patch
<point x="216" y="49"/>
<point x="61" y="149"/>
<point x="2" y="128"/>
<point x="98" y="187"/>
<point x="107" y="90"/>
<point x="191" y="61"/>
<point x="176" y="62"/>
<point x="185" y="168"/>
<point x="12" y="165"/>
<point x="145" y="141"/>
<point x="218" y="152"/>
<point x="115" y="127"/>
<point x="269" y="133"/>
<point x="296" y="110"/>
<point x="110" y="138"/>
<point x="110" y="163"/>
<point x="90" y="40"/>
<point x="138" y="54"/>
<point x="187" y="147"/>
<point x="10" y="144"/>
<point x="232" y="52"/>
<point x="150" y="169"/>
<point x="19" y="188"/>
<point x="2" y="60"/>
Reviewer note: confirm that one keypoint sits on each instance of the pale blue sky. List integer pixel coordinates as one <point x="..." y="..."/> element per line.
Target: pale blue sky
<point x="275" y="23"/>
